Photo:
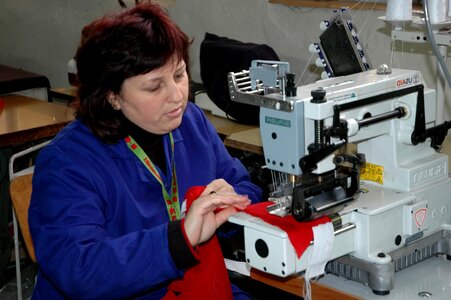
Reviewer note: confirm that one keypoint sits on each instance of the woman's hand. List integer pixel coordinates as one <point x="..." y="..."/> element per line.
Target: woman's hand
<point x="202" y="221"/>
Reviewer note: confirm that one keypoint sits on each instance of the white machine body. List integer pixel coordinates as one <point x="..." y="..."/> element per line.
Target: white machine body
<point x="410" y="200"/>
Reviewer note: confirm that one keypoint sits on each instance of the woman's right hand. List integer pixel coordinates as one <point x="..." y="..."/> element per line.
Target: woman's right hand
<point x="201" y="220"/>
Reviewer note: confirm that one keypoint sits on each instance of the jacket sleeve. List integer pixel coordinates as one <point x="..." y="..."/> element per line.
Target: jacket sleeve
<point x="67" y="217"/>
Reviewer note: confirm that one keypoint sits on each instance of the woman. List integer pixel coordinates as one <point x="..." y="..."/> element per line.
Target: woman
<point x="106" y="214"/>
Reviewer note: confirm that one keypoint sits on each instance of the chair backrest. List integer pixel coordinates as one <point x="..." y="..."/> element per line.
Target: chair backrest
<point x="20" y="191"/>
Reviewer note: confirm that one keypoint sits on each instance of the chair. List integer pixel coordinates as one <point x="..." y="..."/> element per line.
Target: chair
<point x="20" y="193"/>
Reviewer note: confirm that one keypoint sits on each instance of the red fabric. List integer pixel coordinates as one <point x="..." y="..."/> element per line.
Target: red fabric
<point x="299" y="233"/>
<point x="209" y="278"/>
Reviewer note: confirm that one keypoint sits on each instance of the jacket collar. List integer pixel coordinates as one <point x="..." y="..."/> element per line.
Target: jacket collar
<point x="121" y="151"/>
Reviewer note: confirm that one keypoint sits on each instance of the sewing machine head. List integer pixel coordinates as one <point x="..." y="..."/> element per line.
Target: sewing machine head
<point x="307" y="132"/>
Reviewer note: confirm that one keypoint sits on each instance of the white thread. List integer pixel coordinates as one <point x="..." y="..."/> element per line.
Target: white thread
<point x="399" y="10"/>
<point x="368" y="17"/>
<point x="307" y="292"/>
<point x="305" y="69"/>
<point x="323" y="243"/>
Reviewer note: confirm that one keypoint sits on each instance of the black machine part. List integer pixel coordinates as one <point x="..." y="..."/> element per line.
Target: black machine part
<point x="340" y="50"/>
<point x="320" y="195"/>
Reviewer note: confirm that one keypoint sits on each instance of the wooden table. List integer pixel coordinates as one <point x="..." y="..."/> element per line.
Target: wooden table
<point x="236" y="135"/>
<point x="247" y="140"/>
<point x="65" y="93"/>
<point x="24" y="119"/>
<point x="295" y="286"/>
<point x="224" y="126"/>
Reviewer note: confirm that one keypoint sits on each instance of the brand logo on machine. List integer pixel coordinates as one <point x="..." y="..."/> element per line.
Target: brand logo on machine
<point x="430" y="173"/>
<point x="277" y="121"/>
<point x="408" y="81"/>
<point x="420" y="217"/>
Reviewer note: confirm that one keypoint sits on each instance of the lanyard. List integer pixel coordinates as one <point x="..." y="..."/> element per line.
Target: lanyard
<point x="171" y="200"/>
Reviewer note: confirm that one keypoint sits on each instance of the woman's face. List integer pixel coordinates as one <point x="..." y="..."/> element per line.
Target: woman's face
<point x="155" y="101"/>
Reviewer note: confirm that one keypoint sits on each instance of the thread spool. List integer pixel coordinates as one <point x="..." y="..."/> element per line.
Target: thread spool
<point x="399" y="10"/>
<point x="313" y="49"/>
<point x="437" y="11"/>
<point x="449" y="8"/>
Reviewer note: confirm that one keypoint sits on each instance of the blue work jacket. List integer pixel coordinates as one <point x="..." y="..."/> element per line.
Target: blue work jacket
<point x="97" y="216"/>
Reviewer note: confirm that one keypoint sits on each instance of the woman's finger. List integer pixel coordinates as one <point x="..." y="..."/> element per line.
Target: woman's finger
<point x="223" y="215"/>
<point x="218" y="185"/>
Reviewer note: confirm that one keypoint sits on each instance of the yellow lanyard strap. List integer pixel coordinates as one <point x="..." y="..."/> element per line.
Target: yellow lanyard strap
<point x="172" y="199"/>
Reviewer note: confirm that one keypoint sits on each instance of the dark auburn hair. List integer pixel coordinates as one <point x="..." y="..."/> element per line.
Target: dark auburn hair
<point x="118" y="46"/>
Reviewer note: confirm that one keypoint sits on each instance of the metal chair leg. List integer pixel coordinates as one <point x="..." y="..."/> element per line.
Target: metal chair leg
<point x="17" y="256"/>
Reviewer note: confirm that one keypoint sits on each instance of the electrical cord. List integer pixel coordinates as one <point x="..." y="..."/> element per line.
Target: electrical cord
<point x="433" y="43"/>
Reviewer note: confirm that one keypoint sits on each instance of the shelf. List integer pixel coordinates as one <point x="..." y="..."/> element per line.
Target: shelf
<point x="355" y="5"/>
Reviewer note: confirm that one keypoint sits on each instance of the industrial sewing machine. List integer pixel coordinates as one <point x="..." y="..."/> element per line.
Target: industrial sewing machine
<point x="362" y="149"/>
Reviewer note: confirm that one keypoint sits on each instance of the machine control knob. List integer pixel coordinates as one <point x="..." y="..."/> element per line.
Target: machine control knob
<point x="383" y="69"/>
<point x="318" y="95"/>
